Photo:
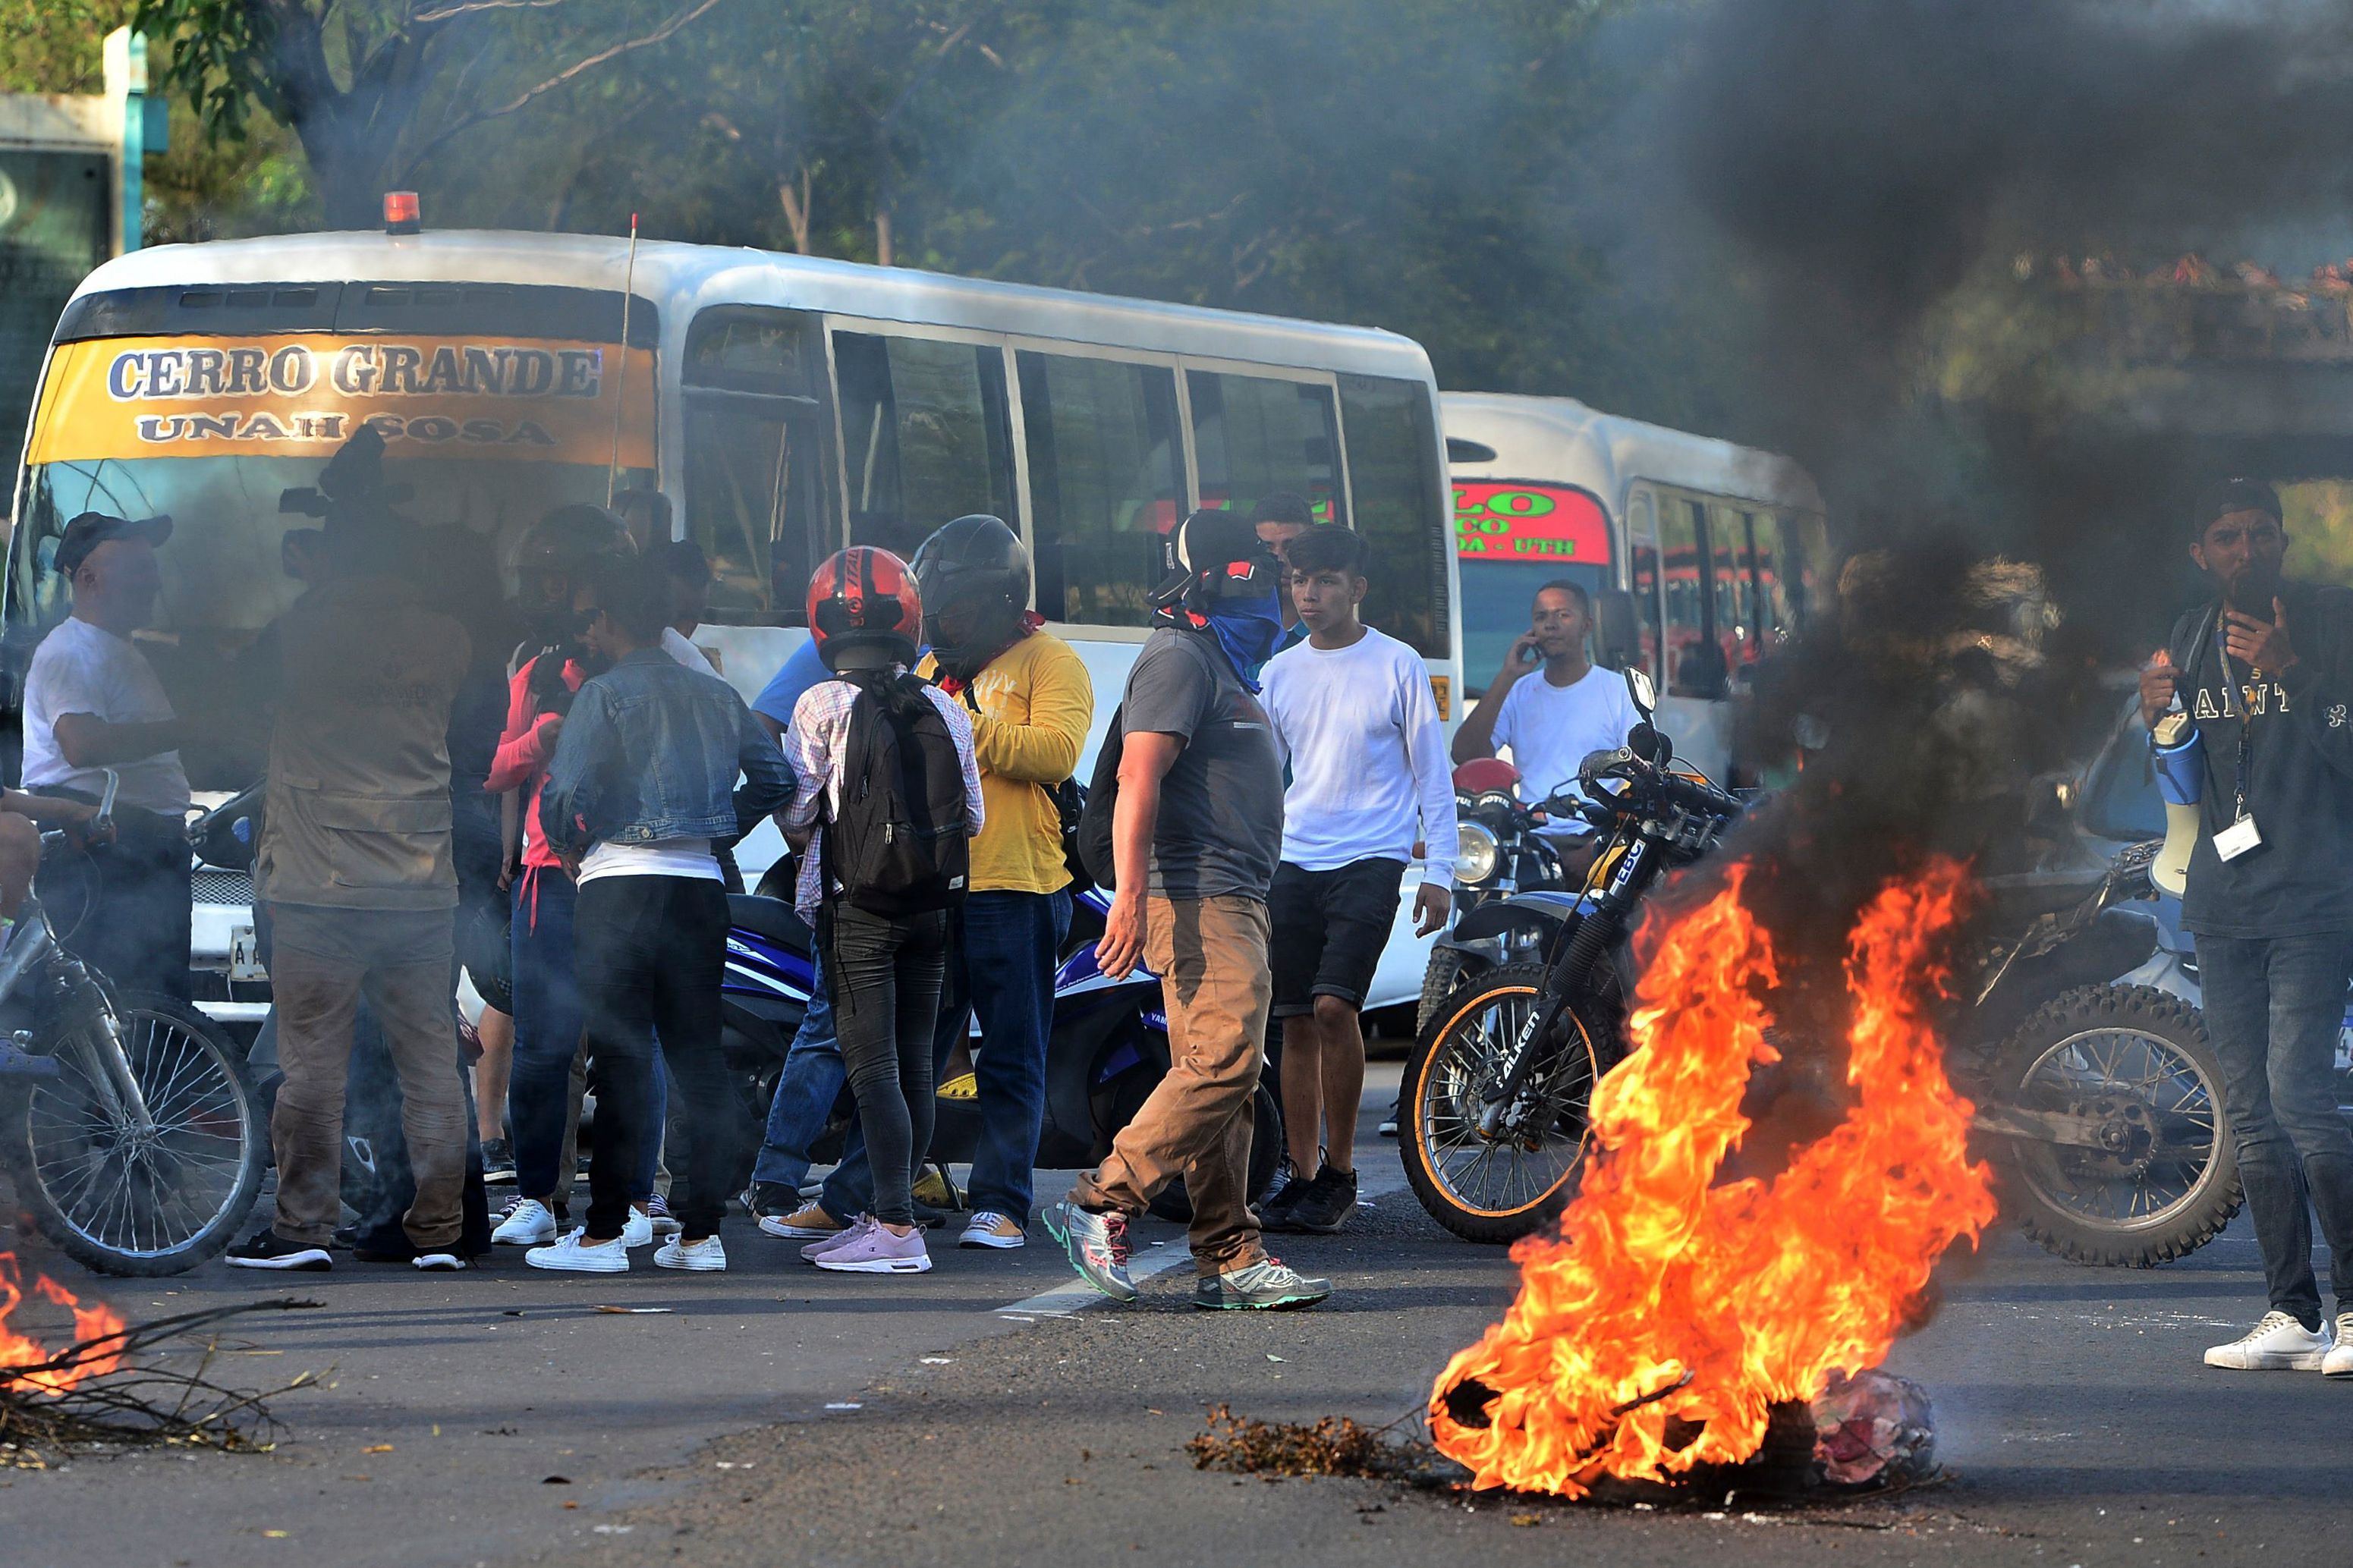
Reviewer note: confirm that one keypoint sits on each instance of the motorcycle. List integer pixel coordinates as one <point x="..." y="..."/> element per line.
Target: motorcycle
<point x="1500" y="853"/>
<point x="2099" y="1100"/>
<point x="1108" y="1050"/>
<point x="131" y="1130"/>
<point x="1496" y="1094"/>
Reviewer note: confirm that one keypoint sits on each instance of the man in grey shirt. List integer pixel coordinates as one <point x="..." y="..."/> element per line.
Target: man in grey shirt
<point x="1196" y="833"/>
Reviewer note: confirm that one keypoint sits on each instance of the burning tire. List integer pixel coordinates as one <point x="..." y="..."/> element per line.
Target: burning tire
<point x="122" y="1199"/>
<point x="2151" y="1172"/>
<point x="1501" y="1187"/>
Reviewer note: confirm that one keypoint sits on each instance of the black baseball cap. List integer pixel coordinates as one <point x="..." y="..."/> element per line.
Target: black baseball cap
<point x="92" y="529"/>
<point x="2225" y="497"/>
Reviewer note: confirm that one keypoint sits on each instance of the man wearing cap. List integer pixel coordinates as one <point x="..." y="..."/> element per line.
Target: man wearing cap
<point x="92" y="702"/>
<point x="2252" y="693"/>
<point x="1280" y="517"/>
<point x="1196" y="831"/>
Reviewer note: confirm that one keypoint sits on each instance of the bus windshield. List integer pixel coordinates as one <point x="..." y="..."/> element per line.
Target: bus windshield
<point x="1513" y="537"/>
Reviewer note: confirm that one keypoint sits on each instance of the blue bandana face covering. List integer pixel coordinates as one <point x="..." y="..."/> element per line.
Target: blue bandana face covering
<point x="1247" y="629"/>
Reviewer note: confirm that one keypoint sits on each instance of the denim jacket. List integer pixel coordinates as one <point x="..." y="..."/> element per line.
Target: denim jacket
<point x="650" y="750"/>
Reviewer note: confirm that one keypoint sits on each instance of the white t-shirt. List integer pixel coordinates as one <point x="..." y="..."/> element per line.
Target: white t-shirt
<point x="1551" y="729"/>
<point x="81" y="668"/>
<point x="1369" y="766"/>
<point x="662" y="857"/>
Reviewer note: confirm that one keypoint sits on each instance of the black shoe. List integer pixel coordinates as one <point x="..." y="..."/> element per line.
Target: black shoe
<point x="498" y="1161"/>
<point x="1389" y="1123"/>
<point x="1275" y="1212"/>
<point x="267" y="1249"/>
<point x="927" y="1217"/>
<point x="772" y="1198"/>
<point x="1327" y="1204"/>
<point x="398" y="1248"/>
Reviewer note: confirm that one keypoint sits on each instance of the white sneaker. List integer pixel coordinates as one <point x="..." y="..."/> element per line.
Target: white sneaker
<point x="989" y="1228"/>
<point x="2338" y="1362"/>
<point x="2278" y="1343"/>
<point x="640" y="1230"/>
<point x="531" y="1223"/>
<point x="704" y="1256"/>
<point x="577" y="1253"/>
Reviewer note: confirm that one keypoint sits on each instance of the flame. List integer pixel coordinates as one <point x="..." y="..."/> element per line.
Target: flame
<point x="1658" y="1330"/>
<point x="19" y="1351"/>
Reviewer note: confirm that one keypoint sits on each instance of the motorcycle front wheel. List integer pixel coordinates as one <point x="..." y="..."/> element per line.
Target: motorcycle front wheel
<point x="2165" y="1179"/>
<point x="1502" y="1188"/>
<point x="123" y="1200"/>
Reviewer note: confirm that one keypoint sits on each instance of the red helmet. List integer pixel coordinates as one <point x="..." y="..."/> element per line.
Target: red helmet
<point x="863" y="601"/>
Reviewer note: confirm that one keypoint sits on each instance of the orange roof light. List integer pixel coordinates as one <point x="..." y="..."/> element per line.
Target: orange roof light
<point x="400" y="213"/>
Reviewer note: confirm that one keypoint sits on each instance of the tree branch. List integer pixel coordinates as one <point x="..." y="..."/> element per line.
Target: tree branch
<point x="467" y="7"/>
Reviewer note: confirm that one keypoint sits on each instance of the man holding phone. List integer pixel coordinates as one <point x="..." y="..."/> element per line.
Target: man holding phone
<point x="1553" y="723"/>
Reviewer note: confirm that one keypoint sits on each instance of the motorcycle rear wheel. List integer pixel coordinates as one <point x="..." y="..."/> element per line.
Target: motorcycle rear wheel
<point x="2143" y="1054"/>
<point x="1491" y="1190"/>
<point x="144" y="1205"/>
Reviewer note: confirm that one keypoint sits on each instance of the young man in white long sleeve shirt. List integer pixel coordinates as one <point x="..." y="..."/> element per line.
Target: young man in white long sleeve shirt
<point x="1354" y="713"/>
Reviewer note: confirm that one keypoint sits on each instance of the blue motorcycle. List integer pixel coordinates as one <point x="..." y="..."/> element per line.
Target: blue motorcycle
<point x="1108" y="1050"/>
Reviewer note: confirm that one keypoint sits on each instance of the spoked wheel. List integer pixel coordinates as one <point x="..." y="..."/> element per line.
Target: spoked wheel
<point x="122" y="1198"/>
<point x="1505" y="1186"/>
<point x="2163" y="1179"/>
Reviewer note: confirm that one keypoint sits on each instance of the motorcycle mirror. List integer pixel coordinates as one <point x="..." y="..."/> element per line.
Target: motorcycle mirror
<point x="1640" y="687"/>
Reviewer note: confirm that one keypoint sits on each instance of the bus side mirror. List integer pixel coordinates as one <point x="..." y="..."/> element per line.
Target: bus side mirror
<point x="1617" y="632"/>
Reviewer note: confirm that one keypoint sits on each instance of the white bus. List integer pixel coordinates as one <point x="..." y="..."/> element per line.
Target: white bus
<point x="778" y="405"/>
<point x="1718" y="550"/>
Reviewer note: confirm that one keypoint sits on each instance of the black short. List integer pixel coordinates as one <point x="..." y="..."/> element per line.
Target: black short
<point x="1329" y="928"/>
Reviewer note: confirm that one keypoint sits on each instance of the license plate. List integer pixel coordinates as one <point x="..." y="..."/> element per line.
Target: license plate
<point x="245" y="955"/>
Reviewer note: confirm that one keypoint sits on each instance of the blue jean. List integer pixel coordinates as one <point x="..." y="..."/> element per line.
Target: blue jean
<point x="2273" y="1007"/>
<point x="547" y="1023"/>
<point x="812" y="1081"/>
<point x="1001" y="951"/>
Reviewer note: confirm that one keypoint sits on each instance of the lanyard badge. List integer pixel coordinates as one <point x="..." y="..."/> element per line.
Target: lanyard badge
<point x="2242" y="835"/>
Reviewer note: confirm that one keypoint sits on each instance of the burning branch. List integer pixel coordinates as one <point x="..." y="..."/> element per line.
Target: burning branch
<point x="104" y="1392"/>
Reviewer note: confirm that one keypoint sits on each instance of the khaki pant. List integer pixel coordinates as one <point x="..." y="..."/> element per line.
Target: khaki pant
<point x="322" y="961"/>
<point x="1211" y="956"/>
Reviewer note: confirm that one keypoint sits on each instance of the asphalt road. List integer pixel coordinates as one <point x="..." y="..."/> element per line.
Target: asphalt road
<point x="778" y="1415"/>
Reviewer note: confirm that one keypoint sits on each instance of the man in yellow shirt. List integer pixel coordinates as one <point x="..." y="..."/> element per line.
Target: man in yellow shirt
<point x="1031" y="701"/>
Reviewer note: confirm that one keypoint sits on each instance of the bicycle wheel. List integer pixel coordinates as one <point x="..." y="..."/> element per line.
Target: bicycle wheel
<point x="120" y="1199"/>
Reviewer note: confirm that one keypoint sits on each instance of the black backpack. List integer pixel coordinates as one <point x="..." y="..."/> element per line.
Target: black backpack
<point x="897" y="845"/>
<point x="1091" y="837"/>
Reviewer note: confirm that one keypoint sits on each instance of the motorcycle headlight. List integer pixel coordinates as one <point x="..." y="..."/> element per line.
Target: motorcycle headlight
<point x="1477" y="853"/>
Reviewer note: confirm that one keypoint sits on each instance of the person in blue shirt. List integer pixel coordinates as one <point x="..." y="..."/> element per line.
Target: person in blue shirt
<point x="774" y="706"/>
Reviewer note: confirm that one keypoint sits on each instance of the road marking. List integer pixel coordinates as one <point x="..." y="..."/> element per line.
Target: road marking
<point x="1158" y="1258"/>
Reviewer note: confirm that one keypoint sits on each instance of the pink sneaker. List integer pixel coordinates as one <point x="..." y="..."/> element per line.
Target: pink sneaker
<point x="874" y="1250"/>
<point x="842" y="1238"/>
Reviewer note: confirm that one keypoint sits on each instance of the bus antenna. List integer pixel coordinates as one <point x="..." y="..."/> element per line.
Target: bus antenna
<point x="621" y="380"/>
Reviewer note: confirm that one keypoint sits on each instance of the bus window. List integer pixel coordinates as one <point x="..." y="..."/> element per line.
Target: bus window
<point x="1252" y="436"/>
<point x="1642" y="571"/>
<point x="1104" y="488"/>
<point x="1696" y="666"/>
<point x="925" y="434"/>
<point x="756" y="445"/>
<point x="1397" y="488"/>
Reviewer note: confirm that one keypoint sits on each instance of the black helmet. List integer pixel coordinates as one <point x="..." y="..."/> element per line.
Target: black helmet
<point x="975" y="558"/>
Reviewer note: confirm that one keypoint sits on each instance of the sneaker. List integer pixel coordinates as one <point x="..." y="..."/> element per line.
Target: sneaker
<point x="577" y="1253"/>
<point x="810" y="1222"/>
<point x="435" y="1260"/>
<point x="498" y="1162"/>
<point x="989" y="1228"/>
<point x="529" y="1224"/>
<point x="1324" y="1204"/>
<point x="2338" y="1362"/>
<point x="267" y="1249"/>
<point x="658" y="1211"/>
<point x="637" y="1230"/>
<point x="1390" y="1122"/>
<point x="1269" y="1285"/>
<point x="704" y="1256"/>
<point x="1274" y="1211"/>
<point x="766" y="1199"/>
<point x="395" y="1247"/>
<point x="1096" y="1245"/>
<point x="842" y="1238"/>
<point x="877" y="1249"/>
<point x="2278" y="1343"/>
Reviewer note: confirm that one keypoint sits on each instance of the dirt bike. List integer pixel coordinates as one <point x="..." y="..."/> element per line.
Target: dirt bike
<point x="1501" y="854"/>
<point x="127" y="1121"/>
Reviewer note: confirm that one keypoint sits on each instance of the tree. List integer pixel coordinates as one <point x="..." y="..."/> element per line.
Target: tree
<point x="374" y="87"/>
